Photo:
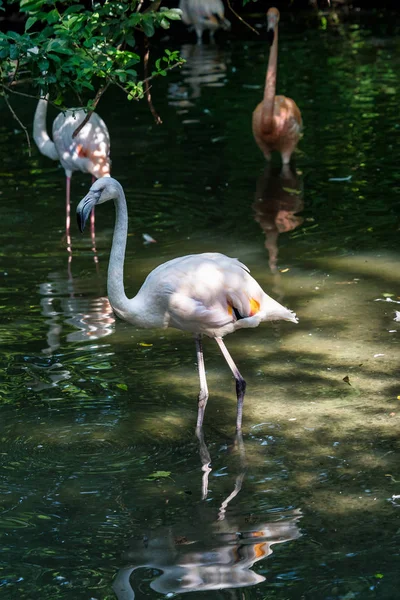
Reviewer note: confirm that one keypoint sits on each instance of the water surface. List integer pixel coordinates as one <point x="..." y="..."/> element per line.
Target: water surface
<point x="103" y="480"/>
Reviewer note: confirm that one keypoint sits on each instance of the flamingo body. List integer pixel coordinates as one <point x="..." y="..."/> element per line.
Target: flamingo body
<point x="277" y="120"/>
<point x="285" y="132"/>
<point x="89" y="151"/>
<point x="208" y="293"/>
<point x="204" y="15"/>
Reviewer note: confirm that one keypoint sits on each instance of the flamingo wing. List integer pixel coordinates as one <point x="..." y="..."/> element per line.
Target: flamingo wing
<point x="203" y="293"/>
<point x="89" y="150"/>
<point x="195" y="11"/>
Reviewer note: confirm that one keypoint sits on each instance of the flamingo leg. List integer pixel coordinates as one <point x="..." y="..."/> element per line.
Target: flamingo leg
<point x="205" y="463"/>
<point x="93" y="231"/>
<point x="92" y="222"/>
<point x="68" y="223"/>
<point x="92" y="228"/>
<point x="203" y="395"/>
<point x="68" y="209"/>
<point x="240" y="382"/>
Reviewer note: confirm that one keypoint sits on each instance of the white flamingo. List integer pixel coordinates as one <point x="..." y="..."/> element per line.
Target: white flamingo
<point x="203" y="15"/>
<point x="88" y="152"/>
<point x="208" y="294"/>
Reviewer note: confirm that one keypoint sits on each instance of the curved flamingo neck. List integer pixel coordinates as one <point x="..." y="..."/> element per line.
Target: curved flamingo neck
<point x="115" y="278"/>
<point x="40" y="135"/>
<point x="270" y="84"/>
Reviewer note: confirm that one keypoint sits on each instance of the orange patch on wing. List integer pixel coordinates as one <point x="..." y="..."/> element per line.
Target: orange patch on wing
<point x="254" y="307"/>
<point x="230" y="309"/>
<point x="257" y="534"/>
<point x="259" y="550"/>
<point x="81" y="152"/>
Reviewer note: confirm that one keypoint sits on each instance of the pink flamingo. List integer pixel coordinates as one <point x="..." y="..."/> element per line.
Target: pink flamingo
<point x="276" y="120"/>
<point x="208" y="294"/>
<point x="203" y="15"/>
<point x="87" y="152"/>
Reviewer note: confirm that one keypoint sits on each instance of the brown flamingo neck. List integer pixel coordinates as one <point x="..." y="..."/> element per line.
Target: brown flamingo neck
<point x="270" y="85"/>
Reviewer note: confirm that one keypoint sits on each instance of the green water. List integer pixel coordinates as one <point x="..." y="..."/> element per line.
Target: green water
<point x="102" y="475"/>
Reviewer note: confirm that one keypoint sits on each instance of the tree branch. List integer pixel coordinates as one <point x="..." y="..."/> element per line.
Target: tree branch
<point x="19" y="122"/>
<point x="11" y="91"/>
<point x="99" y="94"/>
<point x="177" y="64"/>
<point x="240" y="18"/>
<point x="153" y="111"/>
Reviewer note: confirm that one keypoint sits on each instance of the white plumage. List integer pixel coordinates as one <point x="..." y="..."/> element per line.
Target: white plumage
<point x="204" y="15"/>
<point x="199" y="292"/>
<point x="208" y="293"/>
<point x="88" y="152"/>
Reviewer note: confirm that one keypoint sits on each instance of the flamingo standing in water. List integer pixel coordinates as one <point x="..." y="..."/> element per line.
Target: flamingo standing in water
<point x="88" y="152"/>
<point x="203" y="15"/>
<point x="276" y="120"/>
<point x="208" y="294"/>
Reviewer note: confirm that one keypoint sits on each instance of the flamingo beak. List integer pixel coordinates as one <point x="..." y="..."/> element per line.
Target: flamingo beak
<point x="85" y="207"/>
<point x="272" y="21"/>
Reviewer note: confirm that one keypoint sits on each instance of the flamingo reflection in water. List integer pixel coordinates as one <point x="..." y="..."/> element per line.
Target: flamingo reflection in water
<point x="65" y="303"/>
<point x="205" y="66"/>
<point x="279" y="197"/>
<point x="217" y="555"/>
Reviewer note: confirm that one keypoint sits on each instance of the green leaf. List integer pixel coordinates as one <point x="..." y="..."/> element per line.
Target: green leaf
<point x="159" y="475"/>
<point x="43" y="64"/>
<point x="134" y="19"/>
<point x="122" y="386"/>
<point x="12" y="35"/>
<point x="30" y="21"/>
<point x="14" y="53"/>
<point x="72" y="9"/>
<point x="31" y="5"/>
<point x="173" y="14"/>
<point x="148" y="27"/>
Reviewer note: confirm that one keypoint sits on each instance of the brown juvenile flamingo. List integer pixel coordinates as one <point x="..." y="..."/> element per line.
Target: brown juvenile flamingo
<point x="276" y="120"/>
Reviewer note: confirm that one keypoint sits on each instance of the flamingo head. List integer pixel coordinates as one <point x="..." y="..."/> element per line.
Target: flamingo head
<point x="273" y="17"/>
<point x="273" y="20"/>
<point x="103" y="189"/>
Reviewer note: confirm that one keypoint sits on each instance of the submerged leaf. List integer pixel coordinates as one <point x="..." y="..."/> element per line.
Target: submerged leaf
<point x="159" y="475"/>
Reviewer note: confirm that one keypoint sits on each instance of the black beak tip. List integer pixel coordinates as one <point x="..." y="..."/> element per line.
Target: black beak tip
<point x="80" y="221"/>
